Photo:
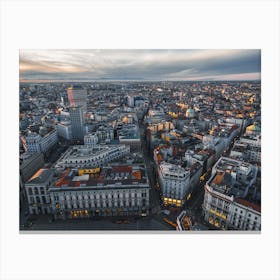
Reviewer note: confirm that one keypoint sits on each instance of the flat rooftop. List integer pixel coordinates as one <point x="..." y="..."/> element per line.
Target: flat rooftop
<point x="226" y="181"/>
<point x="84" y="151"/>
<point x="169" y="168"/>
<point x="113" y="175"/>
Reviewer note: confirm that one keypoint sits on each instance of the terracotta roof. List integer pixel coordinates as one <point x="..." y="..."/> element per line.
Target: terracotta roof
<point x="249" y="204"/>
<point x="219" y="177"/>
<point x="122" y="169"/>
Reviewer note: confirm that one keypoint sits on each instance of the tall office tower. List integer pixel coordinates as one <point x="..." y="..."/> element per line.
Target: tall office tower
<point x="77" y="97"/>
<point x="77" y="123"/>
<point x="130" y="101"/>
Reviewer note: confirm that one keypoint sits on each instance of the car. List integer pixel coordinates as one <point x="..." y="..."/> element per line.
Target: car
<point x="126" y="222"/>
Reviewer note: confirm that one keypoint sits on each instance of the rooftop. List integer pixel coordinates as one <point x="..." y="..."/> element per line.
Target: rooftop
<point x="107" y="176"/>
<point x="253" y="127"/>
<point x="232" y="177"/>
<point x="84" y="151"/>
<point x="41" y="176"/>
<point x="168" y="168"/>
<point x="249" y="204"/>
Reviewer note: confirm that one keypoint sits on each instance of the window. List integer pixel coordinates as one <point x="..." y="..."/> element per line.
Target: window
<point x="143" y="202"/>
<point x="30" y="191"/>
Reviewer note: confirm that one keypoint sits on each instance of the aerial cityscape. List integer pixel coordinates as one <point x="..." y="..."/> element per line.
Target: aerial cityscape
<point x="140" y="140"/>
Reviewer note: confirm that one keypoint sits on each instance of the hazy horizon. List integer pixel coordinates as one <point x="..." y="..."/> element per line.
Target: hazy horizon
<point x="139" y="65"/>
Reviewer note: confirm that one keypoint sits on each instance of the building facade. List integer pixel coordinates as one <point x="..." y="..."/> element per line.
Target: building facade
<point x="111" y="191"/>
<point x="83" y="155"/>
<point x="245" y="215"/>
<point x="37" y="192"/>
<point x="77" y="97"/>
<point x="77" y="123"/>
<point x="174" y="182"/>
<point x="35" y="143"/>
<point x="90" y="139"/>
<point x="230" y="180"/>
<point x="64" y="130"/>
<point x="30" y="165"/>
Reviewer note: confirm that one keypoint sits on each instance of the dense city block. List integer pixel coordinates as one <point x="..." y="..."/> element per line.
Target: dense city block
<point x="136" y="155"/>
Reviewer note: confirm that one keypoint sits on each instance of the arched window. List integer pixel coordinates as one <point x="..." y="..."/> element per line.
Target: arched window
<point x="30" y="191"/>
<point x="36" y="190"/>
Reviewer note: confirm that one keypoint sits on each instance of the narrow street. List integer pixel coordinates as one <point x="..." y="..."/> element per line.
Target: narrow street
<point x="155" y="196"/>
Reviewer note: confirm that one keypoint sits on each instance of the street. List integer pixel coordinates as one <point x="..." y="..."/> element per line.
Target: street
<point x="155" y="197"/>
<point x="43" y="222"/>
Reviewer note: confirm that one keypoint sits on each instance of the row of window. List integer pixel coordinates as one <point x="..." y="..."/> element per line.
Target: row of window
<point x="247" y="225"/>
<point x="104" y="204"/>
<point x="37" y="199"/>
<point x="99" y="196"/>
<point x="94" y="160"/>
<point x="36" y="191"/>
<point x="235" y="215"/>
<point x="136" y="200"/>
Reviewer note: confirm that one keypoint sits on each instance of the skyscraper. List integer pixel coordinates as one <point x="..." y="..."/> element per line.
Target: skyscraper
<point x="77" y="123"/>
<point x="77" y="96"/>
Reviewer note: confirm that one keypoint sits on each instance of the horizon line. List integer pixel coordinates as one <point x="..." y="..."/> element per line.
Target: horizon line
<point x="132" y="80"/>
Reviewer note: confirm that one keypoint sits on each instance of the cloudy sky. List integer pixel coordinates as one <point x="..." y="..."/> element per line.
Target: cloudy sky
<point x="140" y="64"/>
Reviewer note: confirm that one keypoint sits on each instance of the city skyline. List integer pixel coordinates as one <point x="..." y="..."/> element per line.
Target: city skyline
<point x="109" y="64"/>
<point x="182" y="156"/>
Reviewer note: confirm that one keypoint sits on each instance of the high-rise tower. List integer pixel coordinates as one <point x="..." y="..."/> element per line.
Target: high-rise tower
<point x="77" y="97"/>
<point x="77" y="123"/>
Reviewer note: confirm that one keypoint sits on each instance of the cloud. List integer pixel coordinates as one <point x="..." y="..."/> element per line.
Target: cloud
<point x="138" y="64"/>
